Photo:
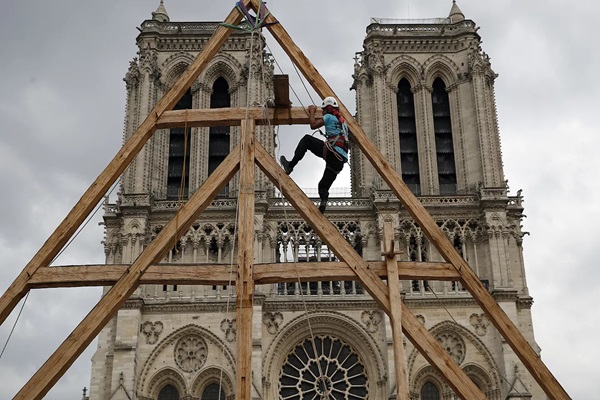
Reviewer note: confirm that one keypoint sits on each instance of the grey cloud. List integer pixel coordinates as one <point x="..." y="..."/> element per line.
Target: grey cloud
<point x="61" y="119"/>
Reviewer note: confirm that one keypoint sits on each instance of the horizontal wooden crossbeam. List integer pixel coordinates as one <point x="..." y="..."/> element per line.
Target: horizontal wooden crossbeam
<point x="219" y="274"/>
<point x="233" y="117"/>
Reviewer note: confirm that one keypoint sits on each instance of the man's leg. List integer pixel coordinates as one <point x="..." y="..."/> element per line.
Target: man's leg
<point x="308" y="142"/>
<point x="328" y="177"/>
<point x="333" y="168"/>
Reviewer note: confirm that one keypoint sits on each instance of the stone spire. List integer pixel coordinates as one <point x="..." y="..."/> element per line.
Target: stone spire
<point x="455" y="14"/>
<point x="161" y="13"/>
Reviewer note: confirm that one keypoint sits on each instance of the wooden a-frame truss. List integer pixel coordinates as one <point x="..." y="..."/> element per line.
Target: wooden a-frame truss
<point x="124" y="279"/>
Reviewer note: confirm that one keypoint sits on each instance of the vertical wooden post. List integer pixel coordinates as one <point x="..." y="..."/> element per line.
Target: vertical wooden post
<point x="245" y="281"/>
<point x="396" y="310"/>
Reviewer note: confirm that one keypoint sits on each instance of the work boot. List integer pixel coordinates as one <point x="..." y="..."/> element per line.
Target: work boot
<point x="323" y="206"/>
<point x="286" y="165"/>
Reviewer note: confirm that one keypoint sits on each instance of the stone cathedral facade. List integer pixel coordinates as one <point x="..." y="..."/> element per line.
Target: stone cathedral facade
<point x="425" y="96"/>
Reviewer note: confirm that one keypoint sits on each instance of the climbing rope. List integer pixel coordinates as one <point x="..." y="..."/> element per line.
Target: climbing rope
<point x="14" y="325"/>
<point x="256" y="23"/>
<point x="290" y="85"/>
<point x="182" y="183"/>
<point x="267" y="119"/>
<point x="90" y="217"/>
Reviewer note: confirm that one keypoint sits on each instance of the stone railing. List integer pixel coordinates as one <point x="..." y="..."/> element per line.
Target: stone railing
<point x="438" y="26"/>
<point x="332" y="204"/>
<point x="208" y="27"/>
<point x="388" y="195"/>
<point x="319" y="289"/>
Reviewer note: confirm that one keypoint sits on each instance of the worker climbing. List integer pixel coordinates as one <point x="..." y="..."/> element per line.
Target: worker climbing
<point x="334" y="149"/>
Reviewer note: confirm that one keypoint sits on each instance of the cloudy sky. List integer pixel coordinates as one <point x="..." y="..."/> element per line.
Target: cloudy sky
<point x="61" y="119"/>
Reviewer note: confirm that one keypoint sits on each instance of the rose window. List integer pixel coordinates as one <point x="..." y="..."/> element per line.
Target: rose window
<point x="335" y="372"/>
<point x="453" y="345"/>
<point x="190" y="353"/>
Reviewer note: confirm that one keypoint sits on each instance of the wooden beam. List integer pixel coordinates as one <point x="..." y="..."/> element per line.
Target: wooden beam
<point x="281" y="89"/>
<point x="110" y="303"/>
<point x="233" y="116"/>
<point x="115" y="168"/>
<point x="417" y="334"/>
<point x="470" y="281"/>
<point x="341" y="271"/>
<point x="396" y="309"/>
<point x="245" y="281"/>
<point x="218" y="274"/>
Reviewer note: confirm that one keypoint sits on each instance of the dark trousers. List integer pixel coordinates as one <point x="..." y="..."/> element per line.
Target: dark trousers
<point x="333" y="164"/>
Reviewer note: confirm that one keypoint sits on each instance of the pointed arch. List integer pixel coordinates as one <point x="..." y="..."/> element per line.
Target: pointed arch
<point x="212" y="375"/>
<point x="174" y="66"/>
<point x="407" y="133"/>
<point x="406" y="67"/>
<point x="479" y="364"/>
<point x="440" y="66"/>
<point x="222" y="66"/>
<point x="178" y="167"/>
<point x="165" y="377"/>
<point x="218" y="351"/>
<point x="333" y="324"/>
<point x="444" y="141"/>
<point x="424" y="377"/>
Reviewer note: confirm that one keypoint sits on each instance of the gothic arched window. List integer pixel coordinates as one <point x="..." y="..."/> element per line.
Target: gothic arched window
<point x="213" y="392"/>
<point x="219" y="139"/>
<point x="179" y="155"/>
<point x="169" y="392"/>
<point x="443" y="138"/>
<point x="409" y="152"/>
<point x="430" y="392"/>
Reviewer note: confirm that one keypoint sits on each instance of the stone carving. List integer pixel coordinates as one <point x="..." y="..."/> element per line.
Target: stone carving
<point x="190" y="353"/>
<point x="132" y="77"/>
<point x="152" y="330"/>
<point x="454" y="346"/>
<point x="273" y="321"/>
<point x="323" y="368"/>
<point x="420" y="318"/>
<point x="228" y="327"/>
<point x="372" y="319"/>
<point x="480" y="323"/>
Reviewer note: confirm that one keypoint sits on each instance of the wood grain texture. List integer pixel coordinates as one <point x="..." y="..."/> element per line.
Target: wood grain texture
<point x="244" y="281"/>
<point x="233" y="117"/>
<point x="218" y="274"/>
<point x="396" y="311"/>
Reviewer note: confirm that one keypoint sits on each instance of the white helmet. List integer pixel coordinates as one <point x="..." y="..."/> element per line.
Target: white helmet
<point x="330" y="101"/>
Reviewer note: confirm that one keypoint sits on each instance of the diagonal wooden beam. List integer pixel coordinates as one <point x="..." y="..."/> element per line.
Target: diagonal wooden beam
<point x="218" y="274"/>
<point x="110" y="303"/>
<point x="115" y="168"/>
<point x="470" y="281"/>
<point x="416" y="333"/>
